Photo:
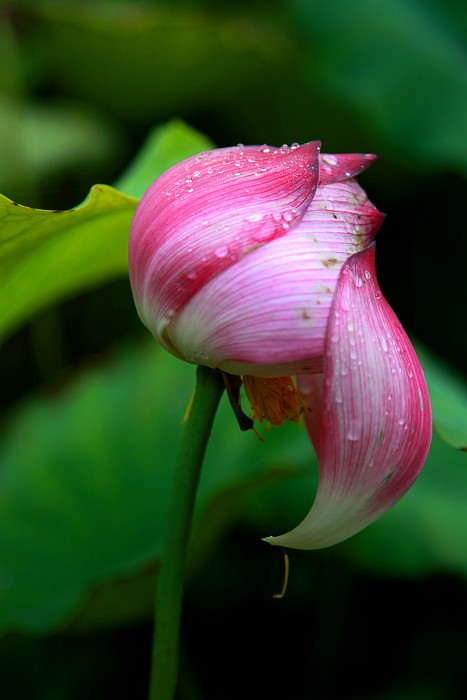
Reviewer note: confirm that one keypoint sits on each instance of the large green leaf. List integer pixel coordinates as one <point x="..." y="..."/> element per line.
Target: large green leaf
<point x="46" y="256"/>
<point x="84" y="480"/>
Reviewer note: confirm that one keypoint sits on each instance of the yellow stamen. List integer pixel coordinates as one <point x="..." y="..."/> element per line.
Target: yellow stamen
<point x="286" y="576"/>
<point x="275" y="400"/>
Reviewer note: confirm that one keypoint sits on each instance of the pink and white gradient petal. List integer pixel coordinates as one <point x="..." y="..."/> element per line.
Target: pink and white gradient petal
<point x="375" y="422"/>
<point x="242" y="321"/>
<point x="335" y="167"/>
<point x="197" y="219"/>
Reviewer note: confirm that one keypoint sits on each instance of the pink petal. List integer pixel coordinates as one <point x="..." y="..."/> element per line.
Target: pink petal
<point x="201" y="215"/>
<point x="267" y="315"/>
<point x="376" y="416"/>
<point x="335" y="167"/>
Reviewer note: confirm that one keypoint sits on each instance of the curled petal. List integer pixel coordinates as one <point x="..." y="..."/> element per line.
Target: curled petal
<point x="340" y="166"/>
<point x="198" y="218"/>
<point x="376" y="416"/>
<point x="243" y="320"/>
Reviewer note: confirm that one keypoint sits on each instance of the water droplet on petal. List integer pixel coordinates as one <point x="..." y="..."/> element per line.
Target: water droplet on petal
<point x="221" y="251"/>
<point x="357" y="280"/>
<point x="253" y="218"/>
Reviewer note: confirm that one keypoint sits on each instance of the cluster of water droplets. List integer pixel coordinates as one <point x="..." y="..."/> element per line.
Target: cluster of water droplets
<point x="232" y="162"/>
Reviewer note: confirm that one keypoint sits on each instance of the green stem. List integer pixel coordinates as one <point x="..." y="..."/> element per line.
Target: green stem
<point x="209" y="388"/>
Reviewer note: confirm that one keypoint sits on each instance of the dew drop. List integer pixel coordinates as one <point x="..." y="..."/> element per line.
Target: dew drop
<point x="353" y="435"/>
<point x="191" y="273"/>
<point x="221" y="251"/>
<point x="357" y="281"/>
<point x="330" y="160"/>
<point x="367" y="274"/>
<point x="254" y="218"/>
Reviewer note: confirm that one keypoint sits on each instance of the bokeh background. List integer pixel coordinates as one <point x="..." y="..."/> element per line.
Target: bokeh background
<point x="90" y="410"/>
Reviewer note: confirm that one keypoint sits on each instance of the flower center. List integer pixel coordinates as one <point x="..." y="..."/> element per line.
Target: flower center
<point x="275" y="400"/>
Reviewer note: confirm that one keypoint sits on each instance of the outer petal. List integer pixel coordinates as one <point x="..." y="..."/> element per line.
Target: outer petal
<point x="340" y="166"/>
<point x="243" y="320"/>
<point x="201" y="215"/>
<point x="376" y="418"/>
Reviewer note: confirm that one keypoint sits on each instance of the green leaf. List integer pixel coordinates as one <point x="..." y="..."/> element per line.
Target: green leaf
<point x="399" y="66"/>
<point x="46" y="256"/>
<point x="448" y="394"/>
<point x="84" y="480"/>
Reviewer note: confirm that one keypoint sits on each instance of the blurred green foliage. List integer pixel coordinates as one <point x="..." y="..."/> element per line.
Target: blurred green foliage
<point x="90" y="428"/>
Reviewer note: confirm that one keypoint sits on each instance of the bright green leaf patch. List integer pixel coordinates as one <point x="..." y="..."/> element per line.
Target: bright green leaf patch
<point x="46" y="256"/>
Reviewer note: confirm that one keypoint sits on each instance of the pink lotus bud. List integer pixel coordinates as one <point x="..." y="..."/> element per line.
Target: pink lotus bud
<point x="258" y="261"/>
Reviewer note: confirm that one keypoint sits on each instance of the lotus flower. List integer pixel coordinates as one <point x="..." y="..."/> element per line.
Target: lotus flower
<point x="259" y="261"/>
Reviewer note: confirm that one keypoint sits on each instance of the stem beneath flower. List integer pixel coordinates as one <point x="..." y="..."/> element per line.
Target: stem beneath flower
<point x="209" y="388"/>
